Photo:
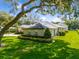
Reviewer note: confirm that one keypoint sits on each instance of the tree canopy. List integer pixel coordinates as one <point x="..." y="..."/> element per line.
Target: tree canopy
<point x="44" y="5"/>
<point x="4" y="18"/>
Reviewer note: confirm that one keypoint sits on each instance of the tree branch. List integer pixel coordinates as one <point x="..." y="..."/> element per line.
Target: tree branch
<point x="36" y="7"/>
<point x="6" y="27"/>
<point x="31" y="9"/>
<point x="27" y="3"/>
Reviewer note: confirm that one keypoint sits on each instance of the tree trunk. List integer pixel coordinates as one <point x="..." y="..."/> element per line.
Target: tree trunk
<point x="6" y="27"/>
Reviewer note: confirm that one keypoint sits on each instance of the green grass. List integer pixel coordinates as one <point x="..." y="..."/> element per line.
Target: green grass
<point x="64" y="47"/>
<point x="71" y="37"/>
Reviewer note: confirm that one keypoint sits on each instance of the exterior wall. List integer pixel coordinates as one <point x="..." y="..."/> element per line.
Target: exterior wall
<point x="34" y="32"/>
<point x="56" y="31"/>
<point x="39" y="32"/>
<point x="66" y="28"/>
<point x="60" y="29"/>
<point x="53" y="32"/>
<point x="63" y="29"/>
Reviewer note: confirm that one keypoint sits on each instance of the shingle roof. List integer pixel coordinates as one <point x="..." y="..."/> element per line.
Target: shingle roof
<point x="40" y="25"/>
<point x="45" y="24"/>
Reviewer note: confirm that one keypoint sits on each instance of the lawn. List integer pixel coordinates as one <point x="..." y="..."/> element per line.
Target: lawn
<point x="72" y="37"/>
<point x="64" y="47"/>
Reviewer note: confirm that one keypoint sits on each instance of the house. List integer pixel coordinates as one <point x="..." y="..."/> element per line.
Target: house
<point x="38" y="29"/>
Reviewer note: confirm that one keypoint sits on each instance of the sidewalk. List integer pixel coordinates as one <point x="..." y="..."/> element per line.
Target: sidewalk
<point x="11" y="34"/>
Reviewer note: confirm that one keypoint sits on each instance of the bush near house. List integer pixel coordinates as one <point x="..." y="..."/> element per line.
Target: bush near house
<point x="36" y="39"/>
<point x="41" y="39"/>
<point x="66" y="31"/>
<point x="61" y="33"/>
<point x="33" y="36"/>
<point x="47" y="33"/>
<point x="45" y="38"/>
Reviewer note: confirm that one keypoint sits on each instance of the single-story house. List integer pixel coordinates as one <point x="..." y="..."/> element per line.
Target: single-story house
<point x="38" y="29"/>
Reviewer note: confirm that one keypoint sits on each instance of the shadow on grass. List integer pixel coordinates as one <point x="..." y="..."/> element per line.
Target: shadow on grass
<point x="33" y="50"/>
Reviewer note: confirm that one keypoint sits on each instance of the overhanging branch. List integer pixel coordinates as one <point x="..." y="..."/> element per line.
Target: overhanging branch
<point x="36" y="7"/>
<point x="31" y="9"/>
<point x="25" y="4"/>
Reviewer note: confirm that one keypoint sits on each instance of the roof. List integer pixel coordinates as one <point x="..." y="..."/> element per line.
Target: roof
<point x="60" y="25"/>
<point x="45" y="24"/>
<point x="39" y="25"/>
<point x="48" y="24"/>
<point x="63" y="25"/>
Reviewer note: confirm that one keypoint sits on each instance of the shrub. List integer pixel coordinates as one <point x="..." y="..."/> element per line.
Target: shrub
<point x="47" y="33"/>
<point x="36" y="39"/>
<point x="11" y="30"/>
<point x="33" y="36"/>
<point x="66" y="31"/>
<point x="18" y="32"/>
<point x="61" y="33"/>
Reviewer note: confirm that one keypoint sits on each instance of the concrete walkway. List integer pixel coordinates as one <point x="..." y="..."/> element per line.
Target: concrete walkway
<point x="11" y="34"/>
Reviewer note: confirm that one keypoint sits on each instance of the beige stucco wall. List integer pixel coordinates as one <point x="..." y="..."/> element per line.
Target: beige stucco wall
<point x="39" y="32"/>
<point x="53" y="32"/>
<point x="35" y="32"/>
<point x="56" y="31"/>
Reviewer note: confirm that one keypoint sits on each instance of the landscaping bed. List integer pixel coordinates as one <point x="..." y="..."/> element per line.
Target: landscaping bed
<point x="36" y="39"/>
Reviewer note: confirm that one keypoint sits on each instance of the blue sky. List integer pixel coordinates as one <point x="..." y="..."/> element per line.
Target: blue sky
<point x="4" y="6"/>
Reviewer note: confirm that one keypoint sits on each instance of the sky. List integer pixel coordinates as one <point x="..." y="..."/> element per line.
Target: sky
<point x="6" y="7"/>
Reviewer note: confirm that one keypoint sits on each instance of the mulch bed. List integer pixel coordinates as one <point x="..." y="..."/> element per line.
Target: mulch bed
<point x="41" y="40"/>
